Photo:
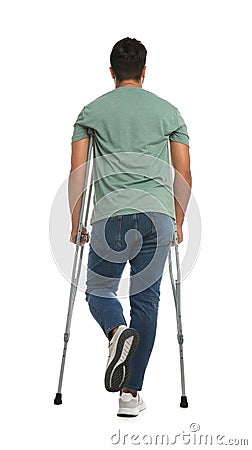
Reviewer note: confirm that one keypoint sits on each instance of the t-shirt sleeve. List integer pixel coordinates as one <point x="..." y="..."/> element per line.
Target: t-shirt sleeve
<point x="180" y="134"/>
<point x="80" y="127"/>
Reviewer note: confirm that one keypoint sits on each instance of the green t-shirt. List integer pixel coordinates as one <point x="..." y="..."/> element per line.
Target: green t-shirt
<point x="131" y="171"/>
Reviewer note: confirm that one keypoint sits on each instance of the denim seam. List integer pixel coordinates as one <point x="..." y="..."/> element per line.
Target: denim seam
<point x="119" y="234"/>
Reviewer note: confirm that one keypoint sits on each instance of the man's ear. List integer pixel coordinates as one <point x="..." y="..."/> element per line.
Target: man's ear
<point x="112" y="73"/>
<point x="143" y="72"/>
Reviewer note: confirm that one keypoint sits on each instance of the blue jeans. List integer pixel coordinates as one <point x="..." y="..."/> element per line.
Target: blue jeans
<point x="143" y="239"/>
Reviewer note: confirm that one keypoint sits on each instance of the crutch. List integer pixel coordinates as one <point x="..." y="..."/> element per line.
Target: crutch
<point x="177" y="300"/>
<point x="76" y="273"/>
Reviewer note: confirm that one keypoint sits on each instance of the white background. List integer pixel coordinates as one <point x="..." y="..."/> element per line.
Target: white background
<point x="55" y="59"/>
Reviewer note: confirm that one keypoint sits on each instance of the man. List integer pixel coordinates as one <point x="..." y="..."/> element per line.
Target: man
<point x="134" y="211"/>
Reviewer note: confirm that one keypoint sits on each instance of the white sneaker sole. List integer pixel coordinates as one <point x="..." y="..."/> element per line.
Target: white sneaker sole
<point x="118" y="371"/>
<point x="131" y="412"/>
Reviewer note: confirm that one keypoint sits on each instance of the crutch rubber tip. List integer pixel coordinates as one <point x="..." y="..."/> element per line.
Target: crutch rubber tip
<point x="58" y="399"/>
<point x="184" y="403"/>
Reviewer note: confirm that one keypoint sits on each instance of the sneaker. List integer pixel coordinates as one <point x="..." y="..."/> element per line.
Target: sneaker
<point x="130" y="406"/>
<point x="121" y="349"/>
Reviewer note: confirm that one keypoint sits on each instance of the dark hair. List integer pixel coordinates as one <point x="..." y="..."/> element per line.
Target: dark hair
<point x="128" y="59"/>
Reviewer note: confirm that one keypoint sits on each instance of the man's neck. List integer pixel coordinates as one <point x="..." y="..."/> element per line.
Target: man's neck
<point x="129" y="83"/>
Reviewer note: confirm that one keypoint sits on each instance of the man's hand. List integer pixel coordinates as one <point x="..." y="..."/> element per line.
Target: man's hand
<point x="84" y="236"/>
<point x="179" y="233"/>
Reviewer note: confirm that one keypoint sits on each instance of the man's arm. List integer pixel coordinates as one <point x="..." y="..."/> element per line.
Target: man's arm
<point x="180" y="158"/>
<point x="76" y="184"/>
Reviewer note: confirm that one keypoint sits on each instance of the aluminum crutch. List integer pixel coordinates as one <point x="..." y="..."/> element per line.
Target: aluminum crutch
<point x="76" y="273"/>
<point x="177" y="300"/>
